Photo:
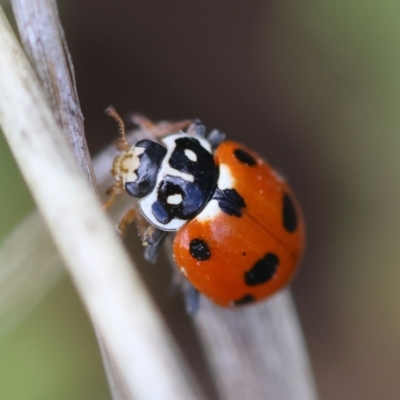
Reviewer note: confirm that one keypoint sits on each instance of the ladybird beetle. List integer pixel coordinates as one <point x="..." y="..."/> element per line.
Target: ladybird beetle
<point x="239" y="228"/>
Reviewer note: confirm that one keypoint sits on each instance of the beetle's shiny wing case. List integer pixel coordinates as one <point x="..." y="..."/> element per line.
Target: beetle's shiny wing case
<point x="246" y="243"/>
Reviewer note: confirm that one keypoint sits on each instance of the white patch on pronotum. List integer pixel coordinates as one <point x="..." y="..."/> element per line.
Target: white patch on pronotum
<point x="191" y="155"/>
<point x="167" y="170"/>
<point x="174" y="199"/>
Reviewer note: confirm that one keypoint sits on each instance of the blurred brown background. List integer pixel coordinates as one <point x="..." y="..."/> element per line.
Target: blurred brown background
<point x="315" y="87"/>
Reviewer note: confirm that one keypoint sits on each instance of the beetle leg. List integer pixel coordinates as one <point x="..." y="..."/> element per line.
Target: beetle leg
<point x="197" y="129"/>
<point x="151" y="252"/>
<point x="152" y="236"/>
<point x="159" y="129"/>
<point x="127" y="219"/>
<point x="216" y="137"/>
<point x="191" y="296"/>
<point x="115" y="190"/>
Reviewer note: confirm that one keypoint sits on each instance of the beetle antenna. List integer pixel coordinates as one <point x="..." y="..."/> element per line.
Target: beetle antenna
<point x="122" y="143"/>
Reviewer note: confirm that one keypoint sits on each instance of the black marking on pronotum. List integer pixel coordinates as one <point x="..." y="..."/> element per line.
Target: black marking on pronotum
<point x="164" y="211"/>
<point x="150" y="163"/>
<point x="262" y="271"/>
<point x="194" y="194"/>
<point x="193" y="199"/>
<point x="202" y="168"/>
<point x="199" y="250"/>
<point x="246" y="299"/>
<point x="229" y="201"/>
<point x="244" y="157"/>
<point x="289" y="214"/>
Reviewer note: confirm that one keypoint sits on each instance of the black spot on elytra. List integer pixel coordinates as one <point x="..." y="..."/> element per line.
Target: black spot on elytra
<point x="199" y="250"/>
<point x="262" y="271"/>
<point x="244" y="157"/>
<point x="230" y="201"/>
<point x="246" y="299"/>
<point x="289" y="214"/>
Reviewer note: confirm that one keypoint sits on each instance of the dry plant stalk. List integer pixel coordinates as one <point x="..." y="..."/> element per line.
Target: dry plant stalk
<point x="257" y="352"/>
<point x="43" y="40"/>
<point x="111" y="290"/>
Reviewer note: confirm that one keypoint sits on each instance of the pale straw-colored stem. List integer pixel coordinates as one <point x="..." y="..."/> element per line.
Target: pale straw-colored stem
<point x="113" y="293"/>
<point x="257" y="352"/>
<point x="44" y="43"/>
